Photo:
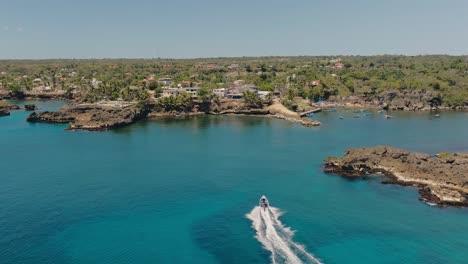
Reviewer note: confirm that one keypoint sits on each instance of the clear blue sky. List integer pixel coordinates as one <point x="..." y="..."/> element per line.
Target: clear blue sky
<point x="211" y="28"/>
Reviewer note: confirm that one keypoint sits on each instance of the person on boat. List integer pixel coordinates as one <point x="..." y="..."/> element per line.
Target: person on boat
<point x="264" y="204"/>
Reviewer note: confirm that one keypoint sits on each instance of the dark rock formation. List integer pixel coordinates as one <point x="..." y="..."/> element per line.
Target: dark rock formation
<point x="51" y="117"/>
<point x="30" y="107"/>
<point x="93" y="116"/>
<point x="440" y="180"/>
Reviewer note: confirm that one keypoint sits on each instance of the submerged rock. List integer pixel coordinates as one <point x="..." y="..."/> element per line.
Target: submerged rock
<point x="441" y="180"/>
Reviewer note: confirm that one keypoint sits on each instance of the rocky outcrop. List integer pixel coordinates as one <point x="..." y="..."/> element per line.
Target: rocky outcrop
<point x="441" y="179"/>
<point x="5" y="108"/>
<point x="30" y="107"/>
<point x="300" y="120"/>
<point x="93" y="117"/>
<point x="407" y="100"/>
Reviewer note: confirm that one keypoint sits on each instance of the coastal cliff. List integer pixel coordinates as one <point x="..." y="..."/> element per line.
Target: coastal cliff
<point x="92" y="116"/>
<point x="442" y="179"/>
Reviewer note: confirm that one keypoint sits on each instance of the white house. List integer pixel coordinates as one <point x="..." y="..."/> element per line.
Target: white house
<point x="220" y="92"/>
<point x="165" y="81"/>
<point x="168" y="91"/>
<point x="263" y="94"/>
<point x="192" y="90"/>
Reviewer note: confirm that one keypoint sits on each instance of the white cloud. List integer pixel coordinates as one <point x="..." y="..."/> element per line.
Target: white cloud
<point x="5" y="28"/>
<point x="19" y="28"/>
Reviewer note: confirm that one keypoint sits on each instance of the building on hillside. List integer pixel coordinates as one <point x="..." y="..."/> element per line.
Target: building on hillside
<point x="165" y="81"/>
<point x="339" y="65"/>
<point x="263" y="94"/>
<point x="238" y="91"/>
<point x="220" y="92"/>
<point x="192" y="90"/>
<point x="233" y="66"/>
<point x="169" y="91"/>
<point x="277" y="92"/>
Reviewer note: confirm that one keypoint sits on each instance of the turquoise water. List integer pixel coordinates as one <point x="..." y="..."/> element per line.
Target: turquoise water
<point x="178" y="191"/>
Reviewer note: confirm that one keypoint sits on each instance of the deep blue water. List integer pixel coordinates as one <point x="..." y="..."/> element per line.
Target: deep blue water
<point x="178" y="191"/>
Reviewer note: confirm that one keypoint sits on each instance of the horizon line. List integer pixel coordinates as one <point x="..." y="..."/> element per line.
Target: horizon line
<point x="230" y="57"/>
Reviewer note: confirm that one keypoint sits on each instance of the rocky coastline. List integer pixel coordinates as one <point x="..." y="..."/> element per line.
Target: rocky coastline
<point x="6" y="107"/>
<point x="440" y="179"/>
<point x="236" y="107"/>
<point x="405" y="100"/>
<point x="247" y="112"/>
<point x="110" y="115"/>
<point x="37" y="95"/>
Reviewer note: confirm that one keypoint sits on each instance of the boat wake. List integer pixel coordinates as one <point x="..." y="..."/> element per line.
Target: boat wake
<point x="277" y="238"/>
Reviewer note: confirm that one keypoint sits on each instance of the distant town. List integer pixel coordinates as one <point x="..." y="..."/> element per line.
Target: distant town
<point x="388" y="82"/>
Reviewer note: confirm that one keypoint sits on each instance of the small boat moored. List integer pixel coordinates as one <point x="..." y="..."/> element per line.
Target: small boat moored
<point x="263" y="202"/>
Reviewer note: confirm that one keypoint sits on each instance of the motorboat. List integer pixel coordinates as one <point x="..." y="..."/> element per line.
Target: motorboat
<point x="263" y="202"/>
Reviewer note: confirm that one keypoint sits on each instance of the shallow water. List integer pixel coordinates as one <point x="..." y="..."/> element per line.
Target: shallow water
<point x="178" y="191"/>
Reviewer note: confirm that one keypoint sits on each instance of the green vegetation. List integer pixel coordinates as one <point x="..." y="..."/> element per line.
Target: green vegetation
<point x="292" y="76"/>
<point x="181" y="103"/>
<point x="252" y="100"/>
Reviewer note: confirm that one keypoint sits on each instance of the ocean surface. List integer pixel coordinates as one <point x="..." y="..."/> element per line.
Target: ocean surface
<point x="185" y="191"/>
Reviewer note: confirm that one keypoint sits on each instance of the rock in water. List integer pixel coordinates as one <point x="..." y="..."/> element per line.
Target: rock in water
<point x="92" y="116"/>
<point x="30" y="107"/>
<point x="441" y="180"/>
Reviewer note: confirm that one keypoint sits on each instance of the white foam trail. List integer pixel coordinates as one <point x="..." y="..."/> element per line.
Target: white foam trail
<point x="277" y="238"/>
